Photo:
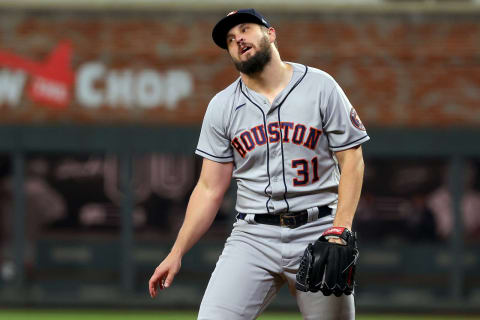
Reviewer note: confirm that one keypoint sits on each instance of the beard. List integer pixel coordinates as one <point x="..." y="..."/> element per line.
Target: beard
<point x="258" y="61"/>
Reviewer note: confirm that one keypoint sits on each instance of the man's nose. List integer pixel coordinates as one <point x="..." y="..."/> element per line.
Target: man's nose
<point x="240" y="40"/>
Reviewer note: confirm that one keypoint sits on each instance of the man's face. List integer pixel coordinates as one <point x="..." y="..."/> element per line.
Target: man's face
<point x="249" y="47"/>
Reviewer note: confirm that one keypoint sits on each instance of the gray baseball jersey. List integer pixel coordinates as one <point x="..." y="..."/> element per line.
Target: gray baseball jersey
<point x="283" y="152"/>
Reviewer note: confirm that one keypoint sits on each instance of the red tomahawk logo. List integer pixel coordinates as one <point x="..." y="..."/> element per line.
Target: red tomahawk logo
<point x="52" y="79"/>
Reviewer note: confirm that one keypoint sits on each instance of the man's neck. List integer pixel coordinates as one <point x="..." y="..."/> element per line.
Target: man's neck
<point x="274" y="78"/>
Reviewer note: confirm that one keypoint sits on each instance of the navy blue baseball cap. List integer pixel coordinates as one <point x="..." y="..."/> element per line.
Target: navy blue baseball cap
<point x="219" y="33"/>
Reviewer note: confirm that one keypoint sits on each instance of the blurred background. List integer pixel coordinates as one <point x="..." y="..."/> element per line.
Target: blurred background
<point x="101" y="104"/>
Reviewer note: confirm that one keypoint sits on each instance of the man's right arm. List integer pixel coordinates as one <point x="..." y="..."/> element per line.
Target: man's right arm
<point x="202" y="208"/>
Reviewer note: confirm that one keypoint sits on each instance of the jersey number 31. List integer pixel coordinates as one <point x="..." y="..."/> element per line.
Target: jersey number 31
<point x="303" y="176"/>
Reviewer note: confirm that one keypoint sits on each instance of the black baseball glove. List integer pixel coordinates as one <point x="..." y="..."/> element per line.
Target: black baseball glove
<point x="329" y="267"/>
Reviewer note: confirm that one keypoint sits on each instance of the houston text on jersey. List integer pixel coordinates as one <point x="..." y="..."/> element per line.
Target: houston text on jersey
<point x="287" y="131"/>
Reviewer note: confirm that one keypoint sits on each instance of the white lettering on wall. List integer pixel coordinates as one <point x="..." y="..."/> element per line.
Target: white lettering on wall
<point x="145" y="88"/>
<point x="150" y="89"/>
<point x="52" y="89"/>
<point x="87" y="76"/>
<point x="179" y="85"/>
<point x="119" y="85"/>
<point x="11" y="87"/>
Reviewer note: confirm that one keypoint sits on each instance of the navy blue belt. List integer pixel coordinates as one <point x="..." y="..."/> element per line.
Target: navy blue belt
<point x="287" y="219"/>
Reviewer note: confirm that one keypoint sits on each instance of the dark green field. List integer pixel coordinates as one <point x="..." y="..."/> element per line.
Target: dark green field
<point x="150" y="315"/>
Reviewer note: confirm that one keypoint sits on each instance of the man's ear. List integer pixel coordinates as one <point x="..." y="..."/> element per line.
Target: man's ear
<point x="272" y="34"/>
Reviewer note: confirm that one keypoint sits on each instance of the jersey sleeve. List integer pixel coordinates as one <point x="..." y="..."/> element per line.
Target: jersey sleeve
<point x="214" y="143"/>
<point x="341" y="123"/>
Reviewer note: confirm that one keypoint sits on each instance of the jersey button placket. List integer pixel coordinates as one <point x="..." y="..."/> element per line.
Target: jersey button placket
<point x="275" y="164"/>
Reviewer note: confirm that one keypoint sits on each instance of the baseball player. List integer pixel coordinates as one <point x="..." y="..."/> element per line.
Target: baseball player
<point x="290" y="138"/>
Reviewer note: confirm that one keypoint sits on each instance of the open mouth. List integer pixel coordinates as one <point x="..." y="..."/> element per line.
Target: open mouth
<point x="245" y="49"/>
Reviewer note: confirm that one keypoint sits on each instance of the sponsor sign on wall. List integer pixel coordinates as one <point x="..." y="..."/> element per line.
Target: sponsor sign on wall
<point x="53" y="84"/>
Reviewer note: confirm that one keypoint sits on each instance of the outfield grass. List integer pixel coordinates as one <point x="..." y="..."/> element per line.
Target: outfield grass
<point x="33" y="314"/>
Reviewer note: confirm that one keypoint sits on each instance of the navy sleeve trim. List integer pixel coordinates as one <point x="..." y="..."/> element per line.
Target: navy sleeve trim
<point x="350" y="143"/>
<point x="211" y="155"/>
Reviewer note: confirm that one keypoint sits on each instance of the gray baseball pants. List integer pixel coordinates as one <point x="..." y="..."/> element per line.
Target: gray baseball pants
<point x="256" y="261"/>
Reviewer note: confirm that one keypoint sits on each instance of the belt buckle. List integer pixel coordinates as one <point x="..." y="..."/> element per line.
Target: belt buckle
<point x="288" y="224"/>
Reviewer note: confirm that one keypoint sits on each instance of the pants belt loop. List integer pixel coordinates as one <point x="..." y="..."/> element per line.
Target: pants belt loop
<point x="250" y="218"/>
<point x="312" y="214"/>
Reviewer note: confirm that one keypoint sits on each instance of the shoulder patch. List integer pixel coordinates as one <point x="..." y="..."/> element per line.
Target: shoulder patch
<point x="357" y="123"/>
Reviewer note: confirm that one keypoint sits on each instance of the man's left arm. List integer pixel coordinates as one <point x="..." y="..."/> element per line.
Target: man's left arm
<point x="350" y="186"/>
<point x="328" y="264"/>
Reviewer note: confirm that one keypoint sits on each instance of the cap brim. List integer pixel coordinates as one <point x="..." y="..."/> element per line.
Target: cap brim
<point x="220" y="31"/>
